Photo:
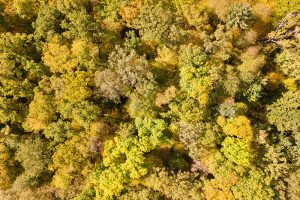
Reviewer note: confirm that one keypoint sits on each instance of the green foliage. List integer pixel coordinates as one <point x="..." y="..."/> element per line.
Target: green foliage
<point x="78" y="24"/>
<point x="149" y="99"/>
<point x="237" y="150"/>
<point x="188" y="109"/>
<point x="34" y="157"/>
<point x="82" y="113"/>
<point x="123" y="158"/>
<point x="141" y="193"/>
<point x="239" y="16"/>
<point x="58" y="131"/>
<point x="154" y="22"/>
<point x="281" y="8"/>
<point x="181" y="185"/>
<point x="141" y="101"/>
<point x="65" y="6"/>
<point x="254" y="185"/>
<point x="191" y="55"/>
<point x="284" y="113"/>
<point x="288" y="63"/>
<point x="26" y="8"/>
<point x="255" y="91"/>
<point x="47" y="22"/>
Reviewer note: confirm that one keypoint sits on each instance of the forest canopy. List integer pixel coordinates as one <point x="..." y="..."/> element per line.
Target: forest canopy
<point x="149" y="99"/>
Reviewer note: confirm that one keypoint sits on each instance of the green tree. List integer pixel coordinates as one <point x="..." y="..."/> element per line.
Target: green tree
<point x="123" y="158"/>
<point x="154" y="22"/>
<point x="288" y="63"/>
<point x="82" y="113"/>
<point x="182" y="185"/>
<point x="238" y="151"/>
<point x="254" y="185"/>
<point x="34" y="157"/>
<point x="239" y="15"/>
<point x="284" y="113"/>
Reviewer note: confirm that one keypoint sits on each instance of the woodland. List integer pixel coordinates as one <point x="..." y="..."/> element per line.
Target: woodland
<point x="149" y="99"/>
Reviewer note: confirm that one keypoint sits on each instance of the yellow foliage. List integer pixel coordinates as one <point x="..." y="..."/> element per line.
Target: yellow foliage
<point x="242" y="107"/>
<point x="263" y="11"/>
<point x="57" y="56"/>
<point x="274" y="80"/>
<point x="221" y="121"/>
<point x="237" y="126"/>
<point x="290" y="84"/>
<point x="129" y="12"/>
<point x="62" y="180"/>
<point x="219" y="188"/>
<point x="166" y="97"/>
<point x="166" y="56"/>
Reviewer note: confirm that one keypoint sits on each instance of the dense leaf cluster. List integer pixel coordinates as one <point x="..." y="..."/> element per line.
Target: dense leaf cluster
<point x="149" y="99"/>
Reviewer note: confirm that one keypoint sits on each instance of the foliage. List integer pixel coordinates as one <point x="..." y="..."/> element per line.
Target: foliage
<point x="41" y="112"/>
<point x="237" y="150"/>
<point x="123" y="159"/>
<point x="154" y="22"/>
<point x="33" y="155"/>
<point x="125" y="70"/>
<point x="288" y="63"/>
<point x="238" y="126"/>
<point x="239" y="15"/>
<point x="253" y="186"/>
<point x="149" y="99"/>
<point x="8" y="167"/>
<point x="284" y="113"/>
<point x="182" y="185"/>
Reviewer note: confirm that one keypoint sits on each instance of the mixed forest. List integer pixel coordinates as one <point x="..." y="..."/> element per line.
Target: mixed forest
<point x="149" y="99"/>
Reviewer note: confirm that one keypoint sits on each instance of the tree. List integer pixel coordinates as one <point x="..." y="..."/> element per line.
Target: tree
<point x="127" y="68"/>
<point x="65" y="6"/>
<point x="34" y="157"/>
<point x="199" y="138"/>
<point x="25" y="8"/>
<point x="191" y="55"/>
<point x="123" y="158"/>
<point x="254" y="185"/>
<point x="154" y="22"/>
<point x="47" y="22"/>
<point x="142" y="101"/>
<point x="238" y="151"/>
<point x="78" y="24"/>
<point x="175" y="186"/>
<point x="77" y="86"/>
<point x="284" y="113"/>
<point x="239" y="15"/>
<point x="42" y="111"/>
<point x="239" y="126"/>
<point x="58" y="132"/>
<point x="57" y="55"/>
<point x="8" y="167"/>
<point x="141" y="193"/>
<point x="285" y="36"/>
<point x="253" y="61"/>
<point x="82" y="113"/>
<point x="288" y="63"/>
